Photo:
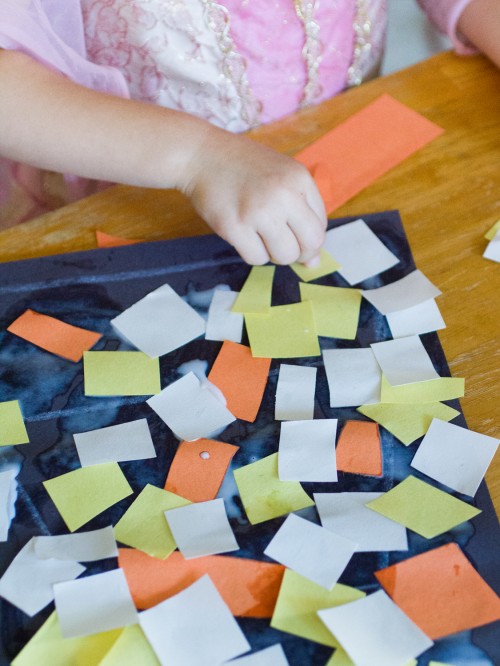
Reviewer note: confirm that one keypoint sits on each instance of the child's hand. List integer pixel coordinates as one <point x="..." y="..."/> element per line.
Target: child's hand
<point x="265" y="204"/>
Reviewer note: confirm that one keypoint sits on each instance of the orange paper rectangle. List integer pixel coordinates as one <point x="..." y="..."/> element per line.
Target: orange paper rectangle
<point x="54" y="335"/>
<point x="364" y="147"/>
<point x="242" y="379"/>
<point x="249" y="587"/>
<point x="358" y="448"/>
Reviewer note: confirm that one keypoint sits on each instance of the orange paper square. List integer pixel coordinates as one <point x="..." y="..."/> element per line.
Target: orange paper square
<point x="54" y="335"/>
<point x="249" y="587"/>
<point x="441" y="591"/>
<point x="241" y="378"/>
<point x="358" y="449"/>
<point x="198" y="469"/>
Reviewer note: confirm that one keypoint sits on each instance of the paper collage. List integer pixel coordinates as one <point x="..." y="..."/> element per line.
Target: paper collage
<point x="306" y="451"/>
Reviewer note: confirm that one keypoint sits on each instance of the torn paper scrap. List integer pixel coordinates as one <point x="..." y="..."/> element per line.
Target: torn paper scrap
<point x="271" y="656"/>
<point x="222" y="323"/>
<point x="81" y="547"/>
<point x="131" y="648"/>
<point x="430" y="390"/>
<point x="120" y="373"/>
<point x="12" y="428"/>
<point x="116" y="443"/>
<point x="422" y="318"/>
<point x="108" y="240"/>
<point x="407" y="292"/>
<point x="353" y="377"/>
<point x="256" y="294"/>
<point x="491" y="233"/>
<point x="295" y="392"/>
<point x="326" y="266"/>
<point x="404" y="360"/>
<point x="492" y="250"/>
<point x="359" y="449"/>
<point x="307" y="450"/>
<point x="8" y="496"/>
<point x="336" y="309"/>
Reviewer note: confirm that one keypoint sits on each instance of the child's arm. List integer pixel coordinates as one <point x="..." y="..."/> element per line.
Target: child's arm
<point x="480" y="25"/>
<point x="262" y="202"/>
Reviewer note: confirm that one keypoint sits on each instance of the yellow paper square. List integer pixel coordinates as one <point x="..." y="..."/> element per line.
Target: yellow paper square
<point x="287" y="331"/>
<point x="327" y="265"/>
<point x="408" y="422"/>
<point x="256" y="293"/>
<point x="423" y="508"/>
<point x="432" y="390"/>
<point x="492" y="231"/>
<point x="120" y="373"/>
<point x="12" y="428"/>
<point x="131" y="649"/>
<point x="335" y="309"/>
<point x="86" y="492"/>
<point x="143" y="525"/>
<point x="263" y="495"/>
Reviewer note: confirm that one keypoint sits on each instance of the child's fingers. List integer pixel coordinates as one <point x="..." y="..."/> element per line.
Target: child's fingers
<point x="280" y="241"/>
<point x="249" y="245"/>
<point x="309" y="230"/>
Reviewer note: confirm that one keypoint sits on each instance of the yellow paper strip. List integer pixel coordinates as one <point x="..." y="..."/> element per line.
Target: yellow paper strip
<point x="131" y="649"/>
<point x="335" y="309"/>
<point x="492" y="231"/>
<point x="326" y="266"/>
<point x="255" y="295"/>
<point x="120" y="373"/>
<point x="12" y="428"/>
<point x="432" y="390"/>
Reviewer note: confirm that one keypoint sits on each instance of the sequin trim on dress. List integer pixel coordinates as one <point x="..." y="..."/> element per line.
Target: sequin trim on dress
<point x="312" y="51"/>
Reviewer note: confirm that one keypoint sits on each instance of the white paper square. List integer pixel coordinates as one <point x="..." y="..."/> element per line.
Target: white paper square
<point x="404" y="360"/>
<point x="190" y="409"/>
<point x="492" y="250"/>
<point x="201" y="529"/>
<point x="295" y="393"/>
<point x="311" y="551"/>
<point x="28" y="581"/>
<point x="193" y="628"/>
<point x="160" y="322"/>
<point x="411" y="290"/>
<point x="347" y="515"/>
<point x="455" y="456"/>
<point x="360" y="253"/>
<point x="79" y="547"/>
<point x="116" y="443"/>
<point x="375" y="632"/>
<point x="353" y="376"/>
<point x="422" y="318"/>
<point x="8" y="494"/>
<point x="94" y="604"/>
<point x="271" y="656"/>
<point x="222" y="324"/>
<point x="307" y="451"/>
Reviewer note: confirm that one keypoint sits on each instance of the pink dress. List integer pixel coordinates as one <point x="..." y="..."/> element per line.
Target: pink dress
<point x="235" y="63"/>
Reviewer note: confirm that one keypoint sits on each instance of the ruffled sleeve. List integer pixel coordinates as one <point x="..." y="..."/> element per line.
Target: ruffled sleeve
<point x="445" y="14"/>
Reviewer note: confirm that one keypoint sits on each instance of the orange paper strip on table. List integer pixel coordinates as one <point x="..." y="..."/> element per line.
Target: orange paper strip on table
<point x="359" y="450"/>
<point x="107" y="240"/>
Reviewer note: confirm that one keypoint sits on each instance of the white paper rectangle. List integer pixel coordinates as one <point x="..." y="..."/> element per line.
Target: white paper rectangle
<point x="360" y="253"/>
<point x="116" y="443"/>
<point x="455" y="456"/>
<point x="160" y="322"/>
<point x="78" y="547"/>
<point x="8" y="494"/>
<point x="295" y="393"/>
<point x="405" y="293"/>
<point x="271" y="656"/>
<point x="222" y="324"/>
<point x="375" y="632"/>
<point x="422" y="318"/>
<point x="404" y="361"/>
<point x="492" y="250"/>
<point x="94" y="604"/>
<point x="353" y="376"/>
<point x="190" y="409"/>
<point x="311" y="551"/>
<point x="307" y="451"/>
<point x="201" y="529"/>
<point x="347" y="515"/>
<point x="194" y="627"/>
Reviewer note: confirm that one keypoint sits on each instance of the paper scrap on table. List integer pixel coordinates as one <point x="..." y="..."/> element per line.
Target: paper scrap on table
<point x="423" y="508"/>
<point x="299" y="601"/>
<point x="8" y="496"/>
<point x="27" y="582"/>
<point x="249" y="587"/>
<point x="192" y="623"/>
<point x="198" y="469"/>
<point x="12" y="428"/>
<point x="326" y="266"/>
<point x="222" y="323"/>
<point x="94" y="604"/>
<point x="353" y="377"/>
<point x="143" y="525"/>
<point x="256" y="294"/>
<point x="404" y="360"/>
<point x="116" y="443"/>
<point x="365" y="146"/>
<point x="407" y="422"/>
<point x="431" y="390"/>
<point x="160" y="322"/>
<point x="307" y="450"/>
<point x="271" y="656"/>
<point x="190" y="409"/>
<point x="441" y="591"/>
<point x="81" y="547"/>
<point x="492" y="250"/>
<point x="241" y="378"/>
<point x="422" y="318"/>
<point x="108" y="240"/>
<point x="286" y="331"/>
<point x="374" y="631"/>
<point x="346" y="514"/>
<point x="359" y="448"/>
<point x="402" y="294"/>
<point x="491" y="233"/>
<point x="54" y="335"/>
<point x="120" y="373"/>
<point x="262" y="493"/>
<point x="311" y="550"/>
<point x="336" y="309"/>
<point x="455" y="456"/>
<point x="202" y="529"/>
<point x="131" y="648"/>
<point x="86" y="492"/>
<point x="295" y="392"/>
<point x="359" y="250"/>
<point x="48" y="646"/>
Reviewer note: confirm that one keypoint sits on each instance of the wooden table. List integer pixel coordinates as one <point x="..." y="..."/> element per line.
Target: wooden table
<point x="448" y="195"/>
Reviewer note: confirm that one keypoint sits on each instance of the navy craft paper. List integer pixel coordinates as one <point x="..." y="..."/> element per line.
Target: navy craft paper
<point x="88" y="289"/>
